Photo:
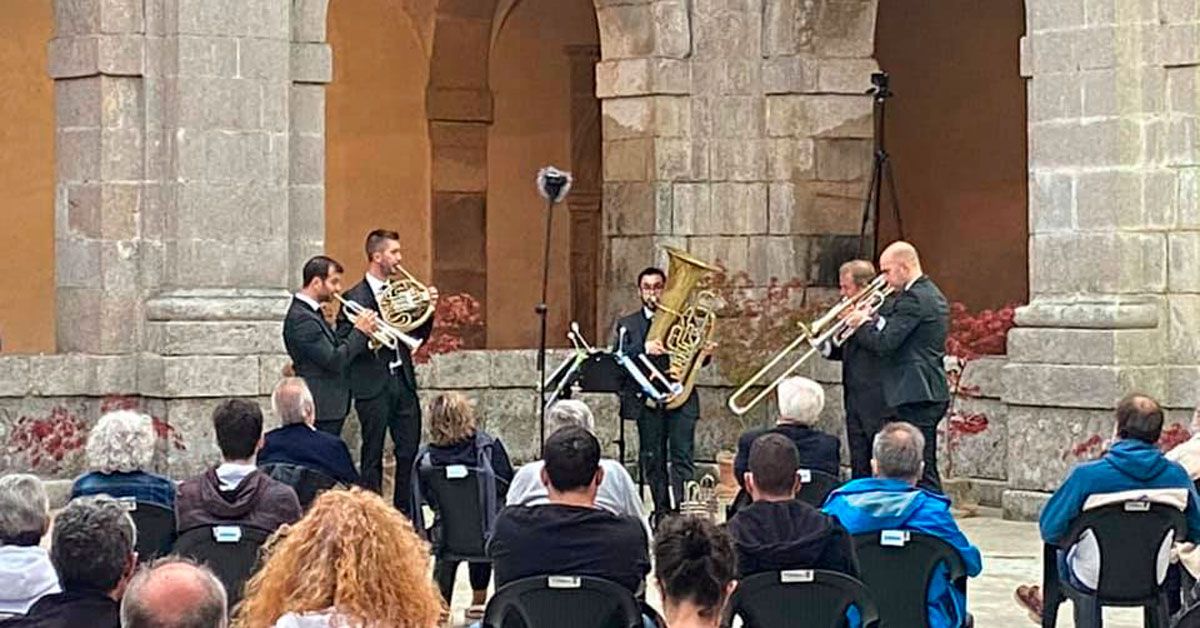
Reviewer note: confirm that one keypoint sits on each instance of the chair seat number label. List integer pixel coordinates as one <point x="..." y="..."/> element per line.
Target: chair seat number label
<point x="805" y="475"/>
<point x="893" y="538"/>
<point x="227" y="534"/>
<point x="796" y="575"/>
<point x="563" y="582"/>
<point x="456" y="472"/>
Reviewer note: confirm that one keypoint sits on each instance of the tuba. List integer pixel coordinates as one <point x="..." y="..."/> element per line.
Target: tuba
<point x="684" y="322"/>
<point x="405" y="303"/>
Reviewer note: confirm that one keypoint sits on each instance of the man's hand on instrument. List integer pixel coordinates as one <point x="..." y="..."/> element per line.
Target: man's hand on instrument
<point x="655" y="347"/>
<point x="433" y="294"/>
<point x="856" y="318"/>
<point x="367" y="322"/>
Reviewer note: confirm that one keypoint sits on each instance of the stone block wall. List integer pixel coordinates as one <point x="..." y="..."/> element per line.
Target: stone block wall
<point x="738" y="130"/>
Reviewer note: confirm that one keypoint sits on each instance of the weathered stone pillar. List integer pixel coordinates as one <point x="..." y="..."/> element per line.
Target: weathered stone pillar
<point x="97" y="60"/>
<point x="1113" y="229"/>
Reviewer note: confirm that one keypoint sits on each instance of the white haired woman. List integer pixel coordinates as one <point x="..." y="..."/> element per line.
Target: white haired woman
<point x="800" y="403"/>
<point x="119" y="450"/>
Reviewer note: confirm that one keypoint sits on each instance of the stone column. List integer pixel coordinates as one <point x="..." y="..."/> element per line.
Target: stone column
<point x="97" y="60"/>
<point x="1113" y="229"/>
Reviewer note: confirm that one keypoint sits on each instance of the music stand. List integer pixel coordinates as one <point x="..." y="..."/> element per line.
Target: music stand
<point x="600" y="373"/>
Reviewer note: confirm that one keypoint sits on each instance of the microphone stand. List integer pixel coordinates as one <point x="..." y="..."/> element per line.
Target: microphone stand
<point x="553" y="185"/>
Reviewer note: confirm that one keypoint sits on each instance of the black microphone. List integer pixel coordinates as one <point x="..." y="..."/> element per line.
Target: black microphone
<point x="553" y="184"/>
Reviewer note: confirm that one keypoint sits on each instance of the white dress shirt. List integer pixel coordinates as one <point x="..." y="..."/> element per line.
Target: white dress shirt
<point x="304" y="298"/>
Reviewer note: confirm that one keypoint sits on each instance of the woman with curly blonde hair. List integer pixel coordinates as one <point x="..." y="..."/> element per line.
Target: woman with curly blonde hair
<point x="455" y="439"/>
<point x="352" y="562"/>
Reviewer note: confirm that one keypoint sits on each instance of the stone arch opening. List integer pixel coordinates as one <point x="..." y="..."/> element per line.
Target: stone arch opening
<point x="27" y="145"/>
<point x="956" y="132"/>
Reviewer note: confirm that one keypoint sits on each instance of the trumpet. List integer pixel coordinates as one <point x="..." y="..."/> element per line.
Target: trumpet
<point x="831" y="327"/>
<point x="385" y="335"/>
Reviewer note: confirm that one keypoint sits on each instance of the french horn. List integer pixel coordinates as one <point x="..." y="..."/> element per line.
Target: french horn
<point x="405" y="303"/>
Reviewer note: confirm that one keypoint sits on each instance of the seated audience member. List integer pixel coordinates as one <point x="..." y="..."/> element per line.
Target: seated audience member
<point x="800" y="403"/>
<point x="174" y="592"/>
<point x="25" y="567"/>
<point x="776" y="531"/>
<point x="1132" y="463"/>
<point x="236" y="492"/>
<point x="694" y="566"/>
<point x="1187" y="454"/>
<point x="570" y="535"/>
<point x="91" y="547"/>
<point x="455" y="439"/>
<point x="119" y="450"/>
<point x="352" y="561"/>
<point x="618" y="494"/>
<point x="891" y="501"/>
<point x="298" y="441"/>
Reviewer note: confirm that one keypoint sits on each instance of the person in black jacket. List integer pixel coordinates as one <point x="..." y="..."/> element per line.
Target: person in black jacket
<point x="909" y="336"/>
<point x="776" y="531"/>
<point x="318" y="355"/>
<point x="384" y="382"/>
<point x="666" y="438"/>
<point x="800" y="403"/>
<point x="92" y="549"/>
<point x="862" y="392"/>
<point x="297" y="442"/>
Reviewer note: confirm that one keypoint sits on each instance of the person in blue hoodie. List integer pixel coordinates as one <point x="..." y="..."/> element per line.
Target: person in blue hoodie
<point x="1132" y="463"/>
<point x="891" y="501"/>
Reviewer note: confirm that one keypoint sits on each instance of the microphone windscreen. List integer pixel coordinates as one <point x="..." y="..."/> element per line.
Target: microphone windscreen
<point x="553" y="184"/>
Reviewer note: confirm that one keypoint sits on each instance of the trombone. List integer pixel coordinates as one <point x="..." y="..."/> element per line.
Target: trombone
<point x="385" y="335"/>
<point x="830" y="327"/>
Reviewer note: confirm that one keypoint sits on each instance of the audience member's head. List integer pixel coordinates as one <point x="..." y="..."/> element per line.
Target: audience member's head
<point x="451" y="419"/>
<point x="800" y="401"/>
<point x="238" y="424"/>
<point x="24" y="510"/>
<point x="572" y="464"/>
<point x="898" y="452"/>
<point x="122" y="441"/>
<point x="92" y="545"/>
<point x="293" y="403"/>
<point x="570" y="412"/>
<point x="773" y="465"/>
<point x="352" y="552"/>
<point x="1139" y="417"/>
<point x="174" y="592"/>
<point x="694" y="564"/>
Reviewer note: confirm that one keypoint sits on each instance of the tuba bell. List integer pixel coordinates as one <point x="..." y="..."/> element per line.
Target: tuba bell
<point x="684" y="320"/>
<point x="405" y="303"/>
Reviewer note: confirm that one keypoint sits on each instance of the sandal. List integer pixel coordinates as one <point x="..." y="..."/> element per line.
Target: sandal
<point x="474" y="612"/>
<point x="1030" y="598"/>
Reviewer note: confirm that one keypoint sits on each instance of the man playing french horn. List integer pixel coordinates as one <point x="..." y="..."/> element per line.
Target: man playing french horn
<point x="667" y="432"/>
<point x="383" y="381"/>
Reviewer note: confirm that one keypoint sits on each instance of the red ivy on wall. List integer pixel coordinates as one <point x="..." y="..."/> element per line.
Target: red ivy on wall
<point x="457" y="316"/>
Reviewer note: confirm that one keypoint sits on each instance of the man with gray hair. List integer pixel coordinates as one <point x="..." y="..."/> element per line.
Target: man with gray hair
<point x="617" y="493"/>
<point x="800" y="403"/>
<point x="892" y="501"/>
<point x="298" y="441"/>
<point x="174" y="592"/>
<point x="92" y="551"/>
<point x="24" y="566"/>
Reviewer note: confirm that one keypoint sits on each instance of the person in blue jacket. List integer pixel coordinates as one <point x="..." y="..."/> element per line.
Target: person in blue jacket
<point x="1132" y="463"/>
<point x="891" y="501"/>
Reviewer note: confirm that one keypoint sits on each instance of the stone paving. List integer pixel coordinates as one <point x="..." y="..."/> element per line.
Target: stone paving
<point x="1011" y="556"/>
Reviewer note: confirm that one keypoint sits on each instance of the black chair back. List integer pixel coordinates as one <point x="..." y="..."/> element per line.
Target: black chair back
<point x="557" y="601"/>
<point x="897" y="567"/>
<point x="815" y="486"/>
<point x="155" y="526"/>
<point x="231" y="551"/>
<point x="801" y="598"/>
<point x="1189" y="619"/>
<point x="1129" y="535"/>
<point x="307" y="482"/>
<point x="455" y="490"/>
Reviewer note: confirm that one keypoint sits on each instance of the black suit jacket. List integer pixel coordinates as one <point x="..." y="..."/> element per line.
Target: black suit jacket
<point x="911" y="345"/>
<point x="321" y="357"/>
<point x="862" y="389"/>
<point x="369" y="371"/>
<point x="633" y="399"/>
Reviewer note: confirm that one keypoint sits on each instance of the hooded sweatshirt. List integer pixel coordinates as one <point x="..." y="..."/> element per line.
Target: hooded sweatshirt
<point x="775" y="536"/>
<point x="27" y="576"/>
<point x="873" y="504"/>
<point x="1132" y="467"/>
<point x="257" y="501"/>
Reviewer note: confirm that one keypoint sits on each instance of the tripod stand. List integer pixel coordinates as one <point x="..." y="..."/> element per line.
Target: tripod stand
<point x="881" y="168"/>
